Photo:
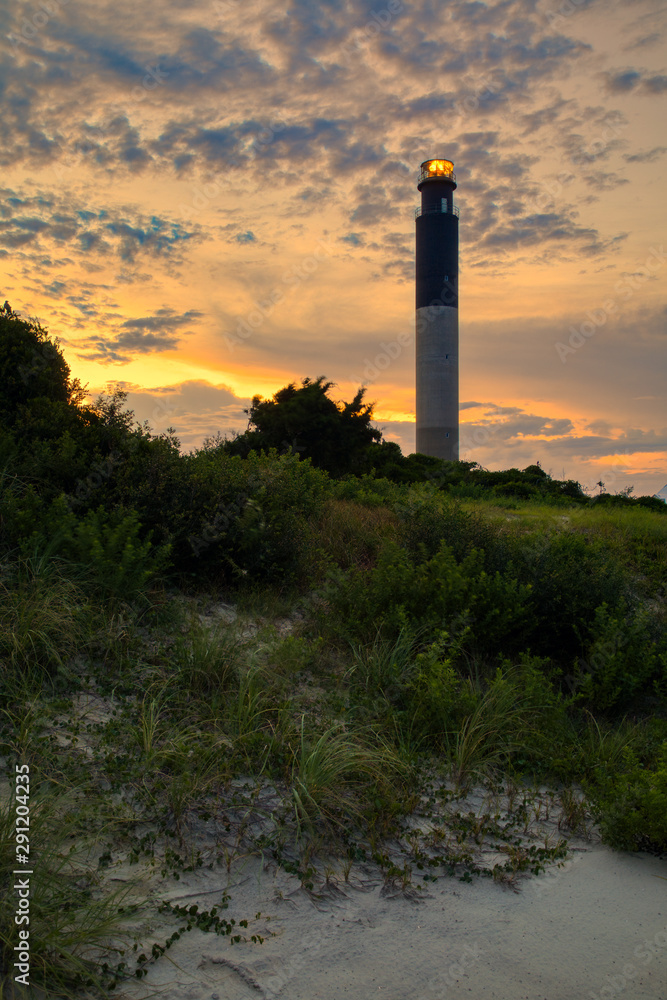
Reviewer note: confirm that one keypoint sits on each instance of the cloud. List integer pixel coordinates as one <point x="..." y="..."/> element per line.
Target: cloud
<point x="197" y="409"/>
<point x="143" y="335"/>
<point x="197" y="152"/>
<point x="655" y="84"/>
<point x="127" y="233"/>
<point x="164" y="319"/>
<point x="647" y="156"/>
<point x="622" y="81"/>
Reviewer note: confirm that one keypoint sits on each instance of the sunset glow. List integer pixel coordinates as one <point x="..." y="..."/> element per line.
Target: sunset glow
<point x="206" y="202"/>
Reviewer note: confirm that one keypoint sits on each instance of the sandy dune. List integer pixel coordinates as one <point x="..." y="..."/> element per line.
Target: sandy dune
<point x="597" y="927"/>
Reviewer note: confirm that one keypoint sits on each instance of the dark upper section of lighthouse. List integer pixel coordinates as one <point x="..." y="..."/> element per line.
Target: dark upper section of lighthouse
<point x="437" y="272"/>
<point x="437" y="183"/>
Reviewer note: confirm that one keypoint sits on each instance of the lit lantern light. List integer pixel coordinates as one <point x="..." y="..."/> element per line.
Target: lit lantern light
<point x="442" y="168"/>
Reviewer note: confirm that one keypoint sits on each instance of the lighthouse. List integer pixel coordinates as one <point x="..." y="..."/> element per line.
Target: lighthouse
<point x="437" y="301"/>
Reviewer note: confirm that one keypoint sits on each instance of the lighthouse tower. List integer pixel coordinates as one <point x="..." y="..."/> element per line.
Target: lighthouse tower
<point x="437" y="286"/>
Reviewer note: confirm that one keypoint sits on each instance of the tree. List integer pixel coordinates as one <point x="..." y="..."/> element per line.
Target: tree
<point x="32" y="368"/>
<point x="306" y="421"/>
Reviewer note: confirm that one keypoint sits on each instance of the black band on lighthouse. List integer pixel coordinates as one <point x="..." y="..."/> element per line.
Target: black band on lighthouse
<point x="437" y="301"/>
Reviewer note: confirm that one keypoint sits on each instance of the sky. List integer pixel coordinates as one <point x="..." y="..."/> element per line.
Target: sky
<point x="205" y="202"/>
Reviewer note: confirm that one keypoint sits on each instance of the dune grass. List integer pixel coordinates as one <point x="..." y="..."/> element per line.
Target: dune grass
<point x="327" y="771"/>
<point x="74" y="923"/>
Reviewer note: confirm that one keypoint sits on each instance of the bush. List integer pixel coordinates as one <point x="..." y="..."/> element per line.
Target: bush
<point x="626" y="659"/>
<point x="632" y="808"/>
<point x="435" y="699"/>
<point x="429" y="518"/>
<point x="102" y="548"/>
<point x="245" y="518"/>
<point x="436" y="593"/>
<point x="571" y="578"/>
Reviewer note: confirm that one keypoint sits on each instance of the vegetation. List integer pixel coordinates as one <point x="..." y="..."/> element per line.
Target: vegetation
<point x="323" y="650"/>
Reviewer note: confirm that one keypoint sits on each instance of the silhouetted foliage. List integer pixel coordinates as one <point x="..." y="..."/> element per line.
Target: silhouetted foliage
<point x="307" y="422"/>
<point x="33" y="372"/>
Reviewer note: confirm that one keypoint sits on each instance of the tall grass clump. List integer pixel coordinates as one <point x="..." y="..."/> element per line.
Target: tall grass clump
<point x="330" y="773"/>
<point x="499" y="727"/>
<point x="75" y="923"/>
<point x="206" y="661"/>
<point x="382" y="665"/>
<point x="346" y="534"/>
<point x="44" y="621"/>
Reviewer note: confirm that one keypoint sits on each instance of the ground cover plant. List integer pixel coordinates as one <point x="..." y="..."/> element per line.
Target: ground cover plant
<point x="242" y="652"/>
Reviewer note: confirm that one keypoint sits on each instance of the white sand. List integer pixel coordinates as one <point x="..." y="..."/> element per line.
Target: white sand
<point x="595" y="928"/>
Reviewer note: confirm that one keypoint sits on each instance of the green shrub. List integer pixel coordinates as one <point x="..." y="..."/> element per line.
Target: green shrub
<point x="367" y="490"/>
<point x="436" y="593"/>
<point x="416" y="680"/>
<point x="103" y="548"/>
<point x="523" y="491"/>
<point x="429" y="518"/>
<point x="570" y="577"/>
<point x="245" y="518"/>
<point x="436" y="698"/>
<point x="632" y="807"/>
<point x="626" y="659"/>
